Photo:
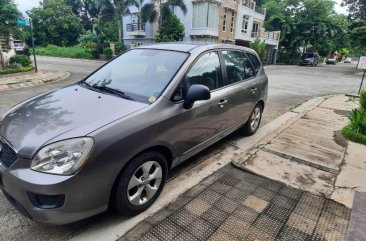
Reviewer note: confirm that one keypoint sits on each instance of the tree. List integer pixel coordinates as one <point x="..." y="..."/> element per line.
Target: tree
<point x="8" y="16"/>
<point x="55" y="23"/>
<point x="150" y="13"/>
<point x="259" y="47"/>
<point x="171" y="30"/>
<point x="357" y="8"/>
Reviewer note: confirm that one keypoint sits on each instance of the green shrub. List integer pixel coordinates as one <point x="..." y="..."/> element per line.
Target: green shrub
<point x="358" y="121"/>
<point x="108" y="53"/>
<point x="363" y="99"/>
<point x="120" y="48"/>
<point x="67" y="52"/>
<point x="15" y="70"/>
<point x="349" y="134"/>
<point x="20" y="61"/>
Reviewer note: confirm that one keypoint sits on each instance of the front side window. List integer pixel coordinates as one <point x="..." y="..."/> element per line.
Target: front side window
<point x="234" y="66"/>
<point x="206" y="71"/>
<point x="139" y="75"/>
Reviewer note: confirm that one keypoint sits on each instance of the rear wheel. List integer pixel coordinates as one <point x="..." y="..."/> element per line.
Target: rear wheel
<point x="140" y="183"/>
<point x="254" y="121"/>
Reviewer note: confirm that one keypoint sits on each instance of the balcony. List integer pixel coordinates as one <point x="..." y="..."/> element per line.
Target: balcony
<point x="135" y="29"/>
<point x="253" y="6"/>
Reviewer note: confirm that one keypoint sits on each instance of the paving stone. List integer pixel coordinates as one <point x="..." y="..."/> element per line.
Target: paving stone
<point x="289" y="233"/>
<point x="179" y="203"/>
<point x="330" y="222"/>
<point x="337" y="209"/>
<point x="236" y="227"/>
<point x="229" y="180"/>
<point x="220" y="187"/>
<point x="285" y="202"/>
<point x="256" y="234"/>
<point x="246" y="186"/>
<point x="268" y="225"/>
<point x="159" y="216"/>
<point x="272" y="186"/>
<point x="226" y="204"/>
<point x="201" y="229"/>
<point x="210" y="196"/>
<point x="211" y="179"/>
<point x="166" y="230"/>
<point x="215" y="216"/>
<point x="221" y="235"/>
<point x="255" y="203"/>
<point x="237" y="194"/>
<point x="197" y="206"/>
<point x="301" y="223"/>
<point x="277" y="212"/>
<point x="185" y="236"/>
<point x="312" y="199"/>
<point x="308" y="211"/>
<point x="264" y="194"/>
<point x="246" y="214"/>
<point x="291" y="192"/>
<point x="183" y="218"/>
<point x="149" y="237"/>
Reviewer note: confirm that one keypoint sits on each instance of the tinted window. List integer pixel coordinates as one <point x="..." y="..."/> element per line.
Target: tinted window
<point x="234" y="66"/>
<point x="255" y="61"/>
<point x="139" y="73"/>
<point x="206" y="71"/>
<point x="307" y="55"/>
<point x="249" y="71"/>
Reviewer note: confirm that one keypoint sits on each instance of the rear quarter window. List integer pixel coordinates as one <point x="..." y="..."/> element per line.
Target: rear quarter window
<point x="255" y="61"/>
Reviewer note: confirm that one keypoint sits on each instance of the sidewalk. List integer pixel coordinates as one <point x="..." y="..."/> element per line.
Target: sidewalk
<point x="300" y="168"/>
<point x="27" y="79"/>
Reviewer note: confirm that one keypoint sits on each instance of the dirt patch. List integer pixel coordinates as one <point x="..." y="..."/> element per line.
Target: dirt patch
<point x="306" y="179"/>
<point x="326" y="178"/>
<point x="341" y="112"/>
<point x="250" y="160"/>
<point x="339" y="138"/>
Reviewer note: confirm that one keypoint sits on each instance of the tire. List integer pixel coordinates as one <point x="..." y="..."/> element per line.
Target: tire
<point x="249" y="129"/>
<point x="131" y="195"/>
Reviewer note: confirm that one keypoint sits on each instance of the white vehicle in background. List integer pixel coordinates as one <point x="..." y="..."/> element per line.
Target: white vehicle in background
<point x="348" y="60"/>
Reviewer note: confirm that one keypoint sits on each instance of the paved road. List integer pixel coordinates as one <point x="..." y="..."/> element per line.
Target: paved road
<point x="289" y="86"/>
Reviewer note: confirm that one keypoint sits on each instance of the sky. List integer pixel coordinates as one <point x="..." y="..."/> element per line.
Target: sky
<point x="24" y="5"/>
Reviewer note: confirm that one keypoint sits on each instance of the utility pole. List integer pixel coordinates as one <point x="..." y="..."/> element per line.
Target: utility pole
<point x="34" y="51"/>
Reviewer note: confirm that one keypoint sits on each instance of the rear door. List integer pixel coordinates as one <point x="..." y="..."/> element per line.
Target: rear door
<point x="244" y="92"/>
<point x="206" y="120"/>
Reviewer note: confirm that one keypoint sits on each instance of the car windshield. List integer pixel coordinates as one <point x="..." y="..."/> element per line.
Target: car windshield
<point x="139" y="74"/>
<point x="307" y="55"/>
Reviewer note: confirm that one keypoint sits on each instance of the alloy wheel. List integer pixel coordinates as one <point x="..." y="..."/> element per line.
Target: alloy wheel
<point x="255" y="118"/>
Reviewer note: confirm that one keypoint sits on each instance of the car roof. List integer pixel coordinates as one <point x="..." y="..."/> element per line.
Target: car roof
<point x="191" y="47"/>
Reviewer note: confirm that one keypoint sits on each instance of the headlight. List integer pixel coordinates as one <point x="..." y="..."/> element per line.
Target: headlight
<point x="64" y="157"/>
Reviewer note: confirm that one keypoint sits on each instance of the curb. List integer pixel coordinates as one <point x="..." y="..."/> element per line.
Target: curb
<point x="47" y="80"/>
<point x="64" y="58"/>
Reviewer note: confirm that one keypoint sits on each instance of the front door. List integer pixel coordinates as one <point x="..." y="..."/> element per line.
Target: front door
<point x="204" y="122"/>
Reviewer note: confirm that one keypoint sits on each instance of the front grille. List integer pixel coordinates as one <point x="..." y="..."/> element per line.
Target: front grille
<point x="7" y="155"/>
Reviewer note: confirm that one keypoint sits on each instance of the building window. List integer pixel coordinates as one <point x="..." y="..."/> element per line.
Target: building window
<point x="244" y="28"/>
<point x="224" y="21"/>
<point x="232" y="22"/>
<point x="255" y="30"/>
<point x="205" y="15"/>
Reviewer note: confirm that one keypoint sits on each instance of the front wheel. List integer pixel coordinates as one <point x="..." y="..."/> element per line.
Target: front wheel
<point x="140" y="183"/>
<point x="252" y="125"/>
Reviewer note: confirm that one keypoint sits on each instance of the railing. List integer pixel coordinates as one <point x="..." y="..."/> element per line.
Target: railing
<point x="134" y="27"/>
<point x="255" y="34"/>
<point x="252" y="5"/>
<point x="271" y="35"/>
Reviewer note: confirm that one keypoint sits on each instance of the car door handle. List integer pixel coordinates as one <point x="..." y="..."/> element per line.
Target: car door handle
<point x="222" y="103"/>
<point x="254" y="89"/>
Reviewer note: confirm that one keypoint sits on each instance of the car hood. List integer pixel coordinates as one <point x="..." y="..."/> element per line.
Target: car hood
<point x="65" y="113"/>
<point x="308" y="59"/>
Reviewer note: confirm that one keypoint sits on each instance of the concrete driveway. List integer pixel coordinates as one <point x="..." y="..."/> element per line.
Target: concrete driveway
<point x="289" y="86"/>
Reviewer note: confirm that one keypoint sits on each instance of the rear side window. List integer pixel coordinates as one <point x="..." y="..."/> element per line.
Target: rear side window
<point x="255" y="61"/>
<point x="206" y="71"/>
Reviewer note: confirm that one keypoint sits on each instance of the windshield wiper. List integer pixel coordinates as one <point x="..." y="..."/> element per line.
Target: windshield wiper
<point x="110" y="90"/>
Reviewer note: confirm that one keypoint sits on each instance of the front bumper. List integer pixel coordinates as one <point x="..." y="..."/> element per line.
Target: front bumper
<point x="78" y="196"/>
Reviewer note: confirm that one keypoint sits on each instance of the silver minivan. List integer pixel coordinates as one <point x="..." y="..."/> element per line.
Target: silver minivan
<point x="110" y="139"/>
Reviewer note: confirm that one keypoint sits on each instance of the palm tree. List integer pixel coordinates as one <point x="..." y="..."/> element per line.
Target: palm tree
<point x="149" y="13"/>
<point x="115" y="10"/>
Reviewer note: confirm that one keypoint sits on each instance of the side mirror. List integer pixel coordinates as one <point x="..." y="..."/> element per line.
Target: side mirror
<point x="195" y="93"/>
